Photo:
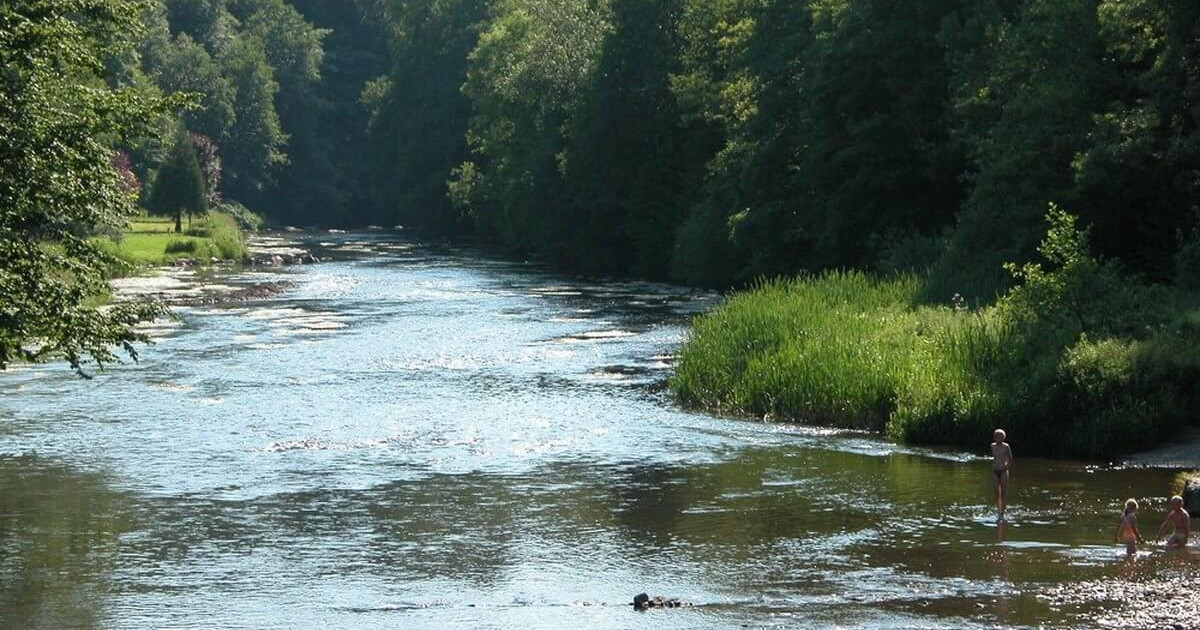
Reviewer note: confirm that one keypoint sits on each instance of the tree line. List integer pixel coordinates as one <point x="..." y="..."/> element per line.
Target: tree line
<point x="716" y="141"/>
<point x="275" y="100"/>
<point x="704" y="141"/>
<point x="709" y="142"/>
<point x="110" y="106"/>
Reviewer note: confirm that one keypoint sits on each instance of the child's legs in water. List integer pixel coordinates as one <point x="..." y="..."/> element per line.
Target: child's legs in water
<point x="1001" y="489"/>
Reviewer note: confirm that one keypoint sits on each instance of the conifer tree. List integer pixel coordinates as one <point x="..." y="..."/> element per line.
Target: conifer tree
<point x="179" y="187"/>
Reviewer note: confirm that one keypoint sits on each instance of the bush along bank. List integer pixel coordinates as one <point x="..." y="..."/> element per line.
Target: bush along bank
<point x="1076" y="361"/>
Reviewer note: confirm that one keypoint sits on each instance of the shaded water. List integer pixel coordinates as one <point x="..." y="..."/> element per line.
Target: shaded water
<point x="422" y="438"/>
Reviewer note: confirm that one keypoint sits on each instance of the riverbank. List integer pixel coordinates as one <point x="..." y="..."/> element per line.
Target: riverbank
<point x="1078" y="361"/>
<point x="259" y="274"/>
<point x="151" y="241"/>
<point x="1160" y="602"/>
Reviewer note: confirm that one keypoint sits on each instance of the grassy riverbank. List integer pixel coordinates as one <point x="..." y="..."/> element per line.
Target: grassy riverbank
<point x="1078" y="361"/>
<point x="153" y="241"/>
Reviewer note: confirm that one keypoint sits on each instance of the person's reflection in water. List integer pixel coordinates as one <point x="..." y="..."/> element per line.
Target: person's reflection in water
<point x="1001" y="557"/>
<point x="1182" y="557"/>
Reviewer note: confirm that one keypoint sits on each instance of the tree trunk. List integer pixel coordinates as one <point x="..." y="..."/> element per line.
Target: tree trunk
<point x="178" y="222"/>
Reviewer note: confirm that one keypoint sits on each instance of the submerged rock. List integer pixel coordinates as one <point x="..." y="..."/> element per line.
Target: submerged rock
<point x="642" y="601"/>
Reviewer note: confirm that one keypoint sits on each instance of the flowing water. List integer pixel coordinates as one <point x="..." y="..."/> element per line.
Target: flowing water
<point x="415" y="437"/>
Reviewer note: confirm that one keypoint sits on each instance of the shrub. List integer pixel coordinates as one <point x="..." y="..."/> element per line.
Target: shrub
<point x="198" y="231"/>
<point x="176" y="246"/>
<point x="226" y="236"/>
<point x="244" y="218"/>
<point x="702" y="253"/>
<point x="911" y="253"/>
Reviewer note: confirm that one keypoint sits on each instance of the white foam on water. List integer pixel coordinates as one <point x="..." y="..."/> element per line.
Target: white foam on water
<point x="275" y="313"/>
<point x="605" y="334"/>
<point x="174" y="387"/>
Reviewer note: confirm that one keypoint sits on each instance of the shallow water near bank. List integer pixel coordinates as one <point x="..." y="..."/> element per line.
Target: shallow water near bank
<point x="422" y="437"/>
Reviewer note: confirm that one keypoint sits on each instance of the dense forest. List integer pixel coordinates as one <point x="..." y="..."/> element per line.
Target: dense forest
<point x="274" y="103"/>
<point x="715" y="141"/>
<point x="710" y="142"/>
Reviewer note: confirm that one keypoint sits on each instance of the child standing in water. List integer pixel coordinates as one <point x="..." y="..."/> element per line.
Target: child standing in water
<point x="1179" y="519"/>
<point x="1002" y="460"/>
<point x="1127" y="529"/>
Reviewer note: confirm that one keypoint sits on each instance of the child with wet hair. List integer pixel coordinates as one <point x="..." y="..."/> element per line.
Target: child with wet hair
<point x="1179" y="521"/>
<point x="1127" y="529"/>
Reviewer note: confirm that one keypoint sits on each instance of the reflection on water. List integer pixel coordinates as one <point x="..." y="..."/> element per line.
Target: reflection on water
<point x="59" y="538"/>
<point x="414" y="437"/>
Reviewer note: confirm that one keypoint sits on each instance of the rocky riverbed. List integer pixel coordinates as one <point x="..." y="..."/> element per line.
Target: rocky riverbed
<point x="197" y="287"/>
<point x="1160" y="603"/>
<point x="198" y="283"/>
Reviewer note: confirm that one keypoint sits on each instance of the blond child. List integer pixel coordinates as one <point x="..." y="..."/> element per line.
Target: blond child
<point x="1127" y="529"/>
<point x="1002" y="460"/>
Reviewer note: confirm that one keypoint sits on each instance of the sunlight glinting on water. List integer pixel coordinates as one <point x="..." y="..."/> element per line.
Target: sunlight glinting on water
<point x="427" y="438"/>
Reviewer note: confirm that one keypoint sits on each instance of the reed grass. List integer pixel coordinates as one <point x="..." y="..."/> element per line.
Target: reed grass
<point x="852" y="350"/>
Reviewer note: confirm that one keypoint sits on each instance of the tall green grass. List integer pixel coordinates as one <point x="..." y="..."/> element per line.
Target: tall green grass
<point x="828" y="349"/>
<point x="851" y="350"/>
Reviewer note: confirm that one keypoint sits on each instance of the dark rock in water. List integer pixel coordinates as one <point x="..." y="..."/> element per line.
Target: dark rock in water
<point x="1191" y="496"/>
<point x="642" y="601"/>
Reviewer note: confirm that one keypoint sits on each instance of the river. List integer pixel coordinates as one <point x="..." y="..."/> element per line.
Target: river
<point x="415" y="436"/>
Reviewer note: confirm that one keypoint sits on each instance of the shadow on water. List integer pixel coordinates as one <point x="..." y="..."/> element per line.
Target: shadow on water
<point x="60" y="532"/>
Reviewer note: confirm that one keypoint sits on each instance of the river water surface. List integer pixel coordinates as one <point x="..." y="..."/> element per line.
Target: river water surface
<point x="415" y="437"/>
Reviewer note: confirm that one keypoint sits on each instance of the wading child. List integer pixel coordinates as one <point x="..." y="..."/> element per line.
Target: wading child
<point x="1002" y="460"/>
<point x="1127" y="529"/>
<point x="1179" y="520"/>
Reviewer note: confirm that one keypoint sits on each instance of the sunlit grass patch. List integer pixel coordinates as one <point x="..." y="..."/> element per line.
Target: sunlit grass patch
<point x="151" y="225"/>
<point x="153" y="241"/>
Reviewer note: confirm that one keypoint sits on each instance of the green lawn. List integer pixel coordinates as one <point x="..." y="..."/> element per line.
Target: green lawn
<point x="153" y="241"/>
<point x="155" y="225"/>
